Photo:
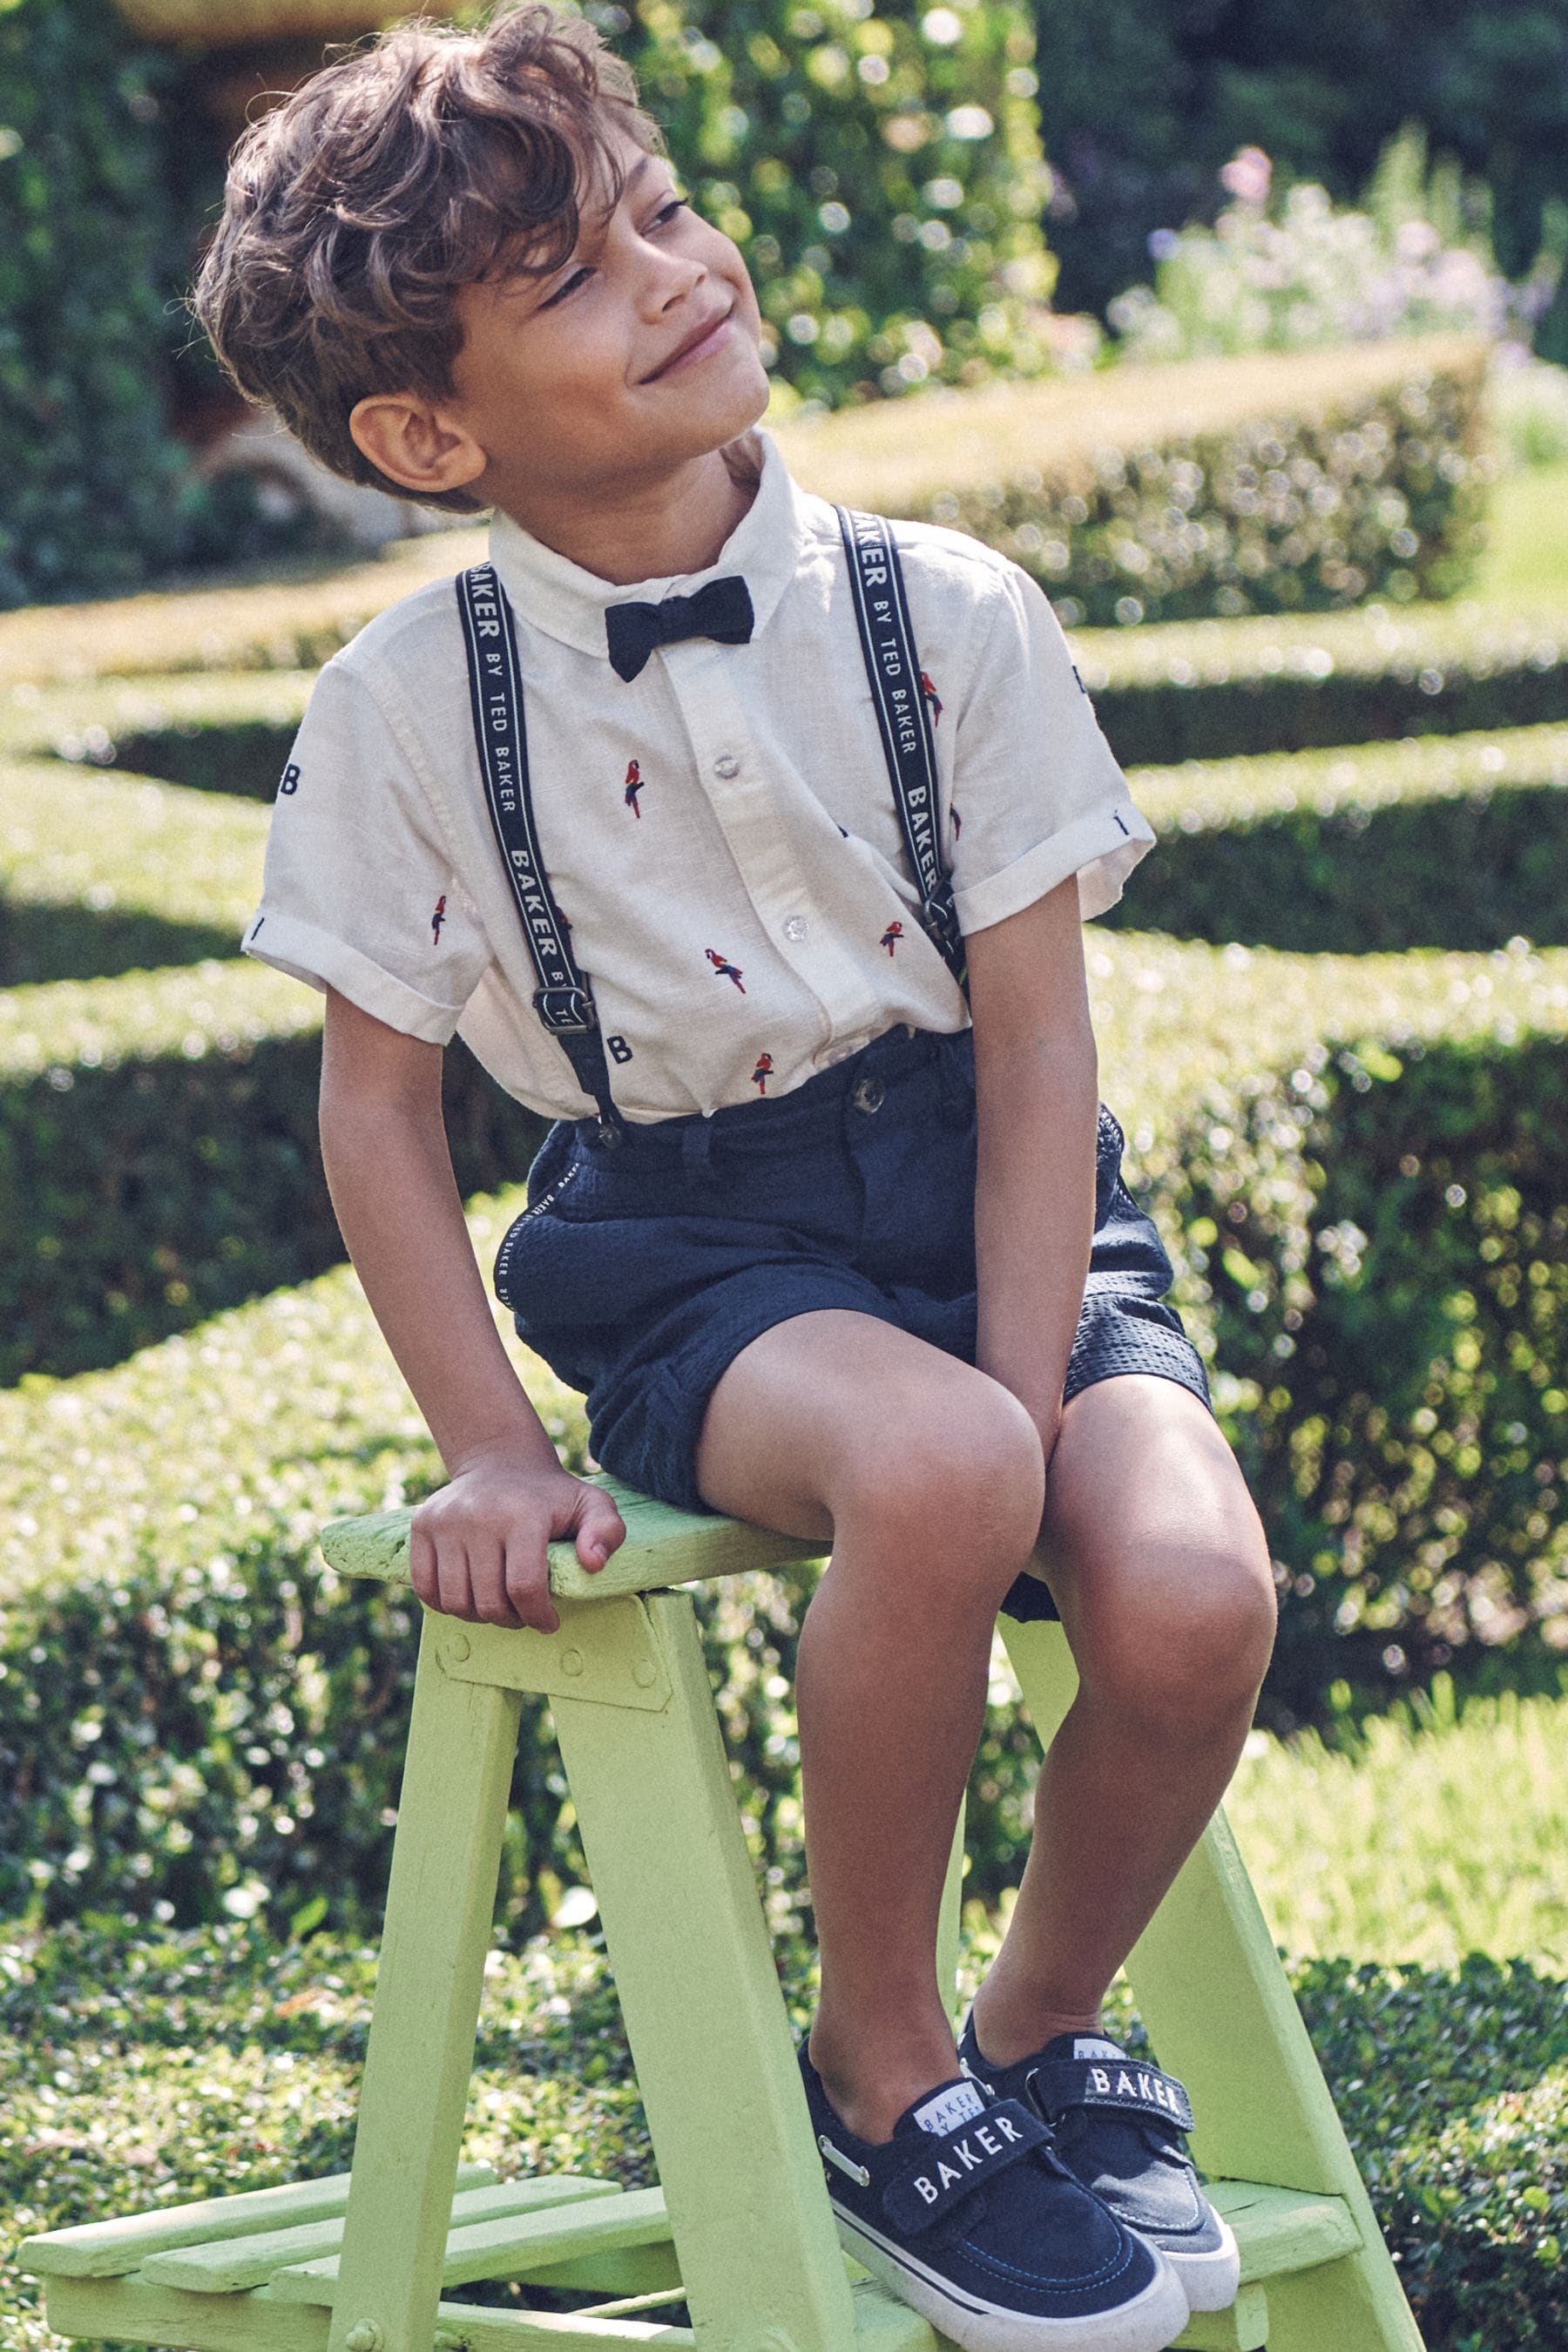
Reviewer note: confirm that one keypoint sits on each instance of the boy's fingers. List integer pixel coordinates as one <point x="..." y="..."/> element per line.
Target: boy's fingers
<point x="600" y="1530"/>
<point x="486" y="1576"/>
<point x="456" y="1599"/>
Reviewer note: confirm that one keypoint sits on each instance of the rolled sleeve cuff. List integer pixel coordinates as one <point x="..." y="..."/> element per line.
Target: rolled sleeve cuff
<point x="1101" y="849"/>
<point x="323" y="961"/>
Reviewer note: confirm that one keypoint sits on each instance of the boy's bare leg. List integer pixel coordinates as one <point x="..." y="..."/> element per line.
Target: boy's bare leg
<point x="1161" y="1571"/>
<point x="928" y="1477"/>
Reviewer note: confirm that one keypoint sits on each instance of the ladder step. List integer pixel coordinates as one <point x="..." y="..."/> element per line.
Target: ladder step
<point x="226" y="2267"/>
<point x="1242" y="2328"/>
<point x="503" y="2249"/>
<point x="110" y="2249"/>
<point x="1283" y="2230"/>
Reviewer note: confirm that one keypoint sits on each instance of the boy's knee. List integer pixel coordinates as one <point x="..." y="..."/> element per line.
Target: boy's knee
<point x="1195" y="1645"/>
<point x="956" y="1484"/>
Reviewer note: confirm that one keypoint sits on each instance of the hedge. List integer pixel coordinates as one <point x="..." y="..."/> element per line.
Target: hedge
<point x="103" y="874"/>
<point x="158" y="1517"/>
<point x="1226" y="690"/>
<point x="159" y="1157"/>
<point x="1451" y="842"/>
<point x="1289" y="480"/>
<point x="145" y="2068"/>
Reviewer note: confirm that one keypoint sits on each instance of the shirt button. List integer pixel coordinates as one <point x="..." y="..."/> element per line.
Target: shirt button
<point x="726" y="765"/>
<point x="796" y="928"/>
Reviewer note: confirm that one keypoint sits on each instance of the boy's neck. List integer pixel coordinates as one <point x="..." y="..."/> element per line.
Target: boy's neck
<point x="656" y="528"/>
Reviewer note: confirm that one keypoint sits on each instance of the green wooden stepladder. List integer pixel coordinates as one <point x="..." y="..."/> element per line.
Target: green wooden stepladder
<point x="739" y="2230"/>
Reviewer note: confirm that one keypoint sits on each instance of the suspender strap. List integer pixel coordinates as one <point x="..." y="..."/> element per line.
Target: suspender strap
<point x="898" y="692"/>
<point x="564" y="998"/>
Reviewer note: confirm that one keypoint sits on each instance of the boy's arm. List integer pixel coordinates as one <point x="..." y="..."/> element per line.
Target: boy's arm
<point x="479" y="1546"/>
<point x="1036" y="1083"/>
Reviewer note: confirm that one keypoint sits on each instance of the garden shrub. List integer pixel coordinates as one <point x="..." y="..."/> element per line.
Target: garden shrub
<point x="1449" y="841"/>
<point x="101" y="875"/>
<point x="1227" y="690"/>
<point x="159" y="1156"/>
<point x="1380" y="1240"/>
<point x="1280" y="482"/>
<point x="879" y="168"/>
<point x="143" y="2067"/>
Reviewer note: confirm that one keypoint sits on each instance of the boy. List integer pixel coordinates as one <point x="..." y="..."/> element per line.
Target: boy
<point x="891" y="1293"/>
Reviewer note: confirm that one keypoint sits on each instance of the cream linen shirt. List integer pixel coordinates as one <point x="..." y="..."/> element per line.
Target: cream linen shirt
<point x="719" y="832"/>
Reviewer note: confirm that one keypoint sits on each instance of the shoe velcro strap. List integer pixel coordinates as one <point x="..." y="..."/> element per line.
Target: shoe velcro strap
<point x="945" y="2167"/>
<point x="1115" y="2083"/>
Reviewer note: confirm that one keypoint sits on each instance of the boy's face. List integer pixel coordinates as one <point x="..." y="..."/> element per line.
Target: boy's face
<point x="637" y="355"/>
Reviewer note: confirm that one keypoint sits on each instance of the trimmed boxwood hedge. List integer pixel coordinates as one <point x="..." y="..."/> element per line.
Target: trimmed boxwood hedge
<point x="1449" y="841"/>
<point x="1277" y="483"/>
<point x="141" y="2068"/>
<point x="102" y="874"/>
<point x="1226" y="689"/>
<point x="159" y="1156"/>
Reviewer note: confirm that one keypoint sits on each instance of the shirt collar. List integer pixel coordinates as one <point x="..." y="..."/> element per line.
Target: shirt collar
<point x="552" y="593"/>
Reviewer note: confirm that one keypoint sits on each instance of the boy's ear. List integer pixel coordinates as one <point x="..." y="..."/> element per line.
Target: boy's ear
<point x="413" y="443"/>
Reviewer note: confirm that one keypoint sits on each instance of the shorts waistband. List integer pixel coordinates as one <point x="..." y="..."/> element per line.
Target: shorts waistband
<point x="898" y="1054"/>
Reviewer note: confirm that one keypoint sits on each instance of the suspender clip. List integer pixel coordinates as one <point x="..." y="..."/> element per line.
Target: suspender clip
<point x="566" y="1010"/>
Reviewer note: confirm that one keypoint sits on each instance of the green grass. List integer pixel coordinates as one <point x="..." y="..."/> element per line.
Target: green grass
<point x="1526" y="562"/>
<point x="1445" y="1834"/>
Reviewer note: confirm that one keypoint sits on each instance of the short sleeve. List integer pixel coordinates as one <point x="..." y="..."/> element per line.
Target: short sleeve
<point x="359" y="891"/>
<point x="1037" y="793"/>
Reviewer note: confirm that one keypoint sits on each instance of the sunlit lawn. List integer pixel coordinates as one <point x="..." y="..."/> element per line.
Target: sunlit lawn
<point x="1527" y="560"/>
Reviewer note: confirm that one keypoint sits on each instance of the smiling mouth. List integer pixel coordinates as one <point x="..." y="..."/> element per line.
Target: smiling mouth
<point x="696" y="344"/>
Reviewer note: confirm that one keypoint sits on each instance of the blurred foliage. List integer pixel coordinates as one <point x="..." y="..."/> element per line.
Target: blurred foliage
<point x="879" y="168"/>
<point x="94" y="493"/>
<point x="159" y="1157"/>
<point x="141" y="2067"/>
<point x="1380" y="1239"/>
<point x="1143" y="102"/>
<point x="1451" y="842"/>
<point x="1296" y="273"/>
<point x="1224" y="488"/>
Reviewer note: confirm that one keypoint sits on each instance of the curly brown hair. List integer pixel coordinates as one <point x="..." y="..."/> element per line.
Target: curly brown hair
<point x="434" y="158"/>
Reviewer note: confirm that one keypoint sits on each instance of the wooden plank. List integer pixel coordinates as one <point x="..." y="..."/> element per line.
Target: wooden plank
<point x="109" y="2248"/>
<point x="132" y="2311"/>
<point x="662" y="1547"/>
<point x="595" y="1653"/>
<point x="444" y="1863"/>
<point x="1279" y="2229"/>
<point x="613" y="2270"/>
<point x="509" y="2249"/>
<point x="1243" y="2327"/>
<point x="714" y="2058"/>
<point x="227" y="2266"/>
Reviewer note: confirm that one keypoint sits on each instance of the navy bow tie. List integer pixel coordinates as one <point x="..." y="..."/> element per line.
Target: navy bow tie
<point x="722" y="610"/>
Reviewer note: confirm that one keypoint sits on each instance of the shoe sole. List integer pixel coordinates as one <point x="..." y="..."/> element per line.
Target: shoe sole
<point x="1209" y="2279"/>
<point x="1147" y="2323"/>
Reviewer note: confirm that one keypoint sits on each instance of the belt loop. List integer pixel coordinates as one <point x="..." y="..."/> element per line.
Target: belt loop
<point x="696" y="1152"/>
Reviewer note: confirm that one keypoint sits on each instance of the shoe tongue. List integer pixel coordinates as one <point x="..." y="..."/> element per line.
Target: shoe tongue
<point x="1082" y="2045"/>
<point x="948" y="2109"/>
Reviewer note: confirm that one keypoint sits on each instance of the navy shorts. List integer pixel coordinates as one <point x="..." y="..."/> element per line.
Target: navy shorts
<point x="639" y="1273"/>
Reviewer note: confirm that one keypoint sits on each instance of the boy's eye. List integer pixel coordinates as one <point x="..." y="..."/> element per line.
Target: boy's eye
<point x="578" y="278"/>
<point x="668" y="211"/>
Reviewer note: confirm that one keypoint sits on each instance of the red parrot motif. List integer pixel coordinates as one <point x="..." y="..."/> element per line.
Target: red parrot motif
<point x="436" y="919"/>
<point x="634" y="786"/>
<point x="891" y="937"/>
<point x="760" y="1074"/>
<point x="724" y="968"/>
<point x="932" y="696"/>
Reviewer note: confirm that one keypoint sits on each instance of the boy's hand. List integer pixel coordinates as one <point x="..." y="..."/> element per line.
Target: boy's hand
<point x="477" y="1547"/>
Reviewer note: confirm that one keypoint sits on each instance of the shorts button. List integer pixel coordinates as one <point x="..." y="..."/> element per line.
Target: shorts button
<point x="726" y="765"/>
<point x="868" y="1095"/>
<point x="796" y="928"/>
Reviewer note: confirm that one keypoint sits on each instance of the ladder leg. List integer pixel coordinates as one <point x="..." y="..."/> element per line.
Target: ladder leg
<point x="1219" y="2010"/>
<point x="440" y="1908"/>
<point x="758" y="2252"/>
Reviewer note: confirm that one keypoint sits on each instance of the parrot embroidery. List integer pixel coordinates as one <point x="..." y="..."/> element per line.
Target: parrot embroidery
<point x="436" y="919"/>
<point x="760" y="1075"/>
<point x="725" y="969"/>
<point x="932" y="696"/>
<point x="634" y="786"/>
<point x="891" y="937"/>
